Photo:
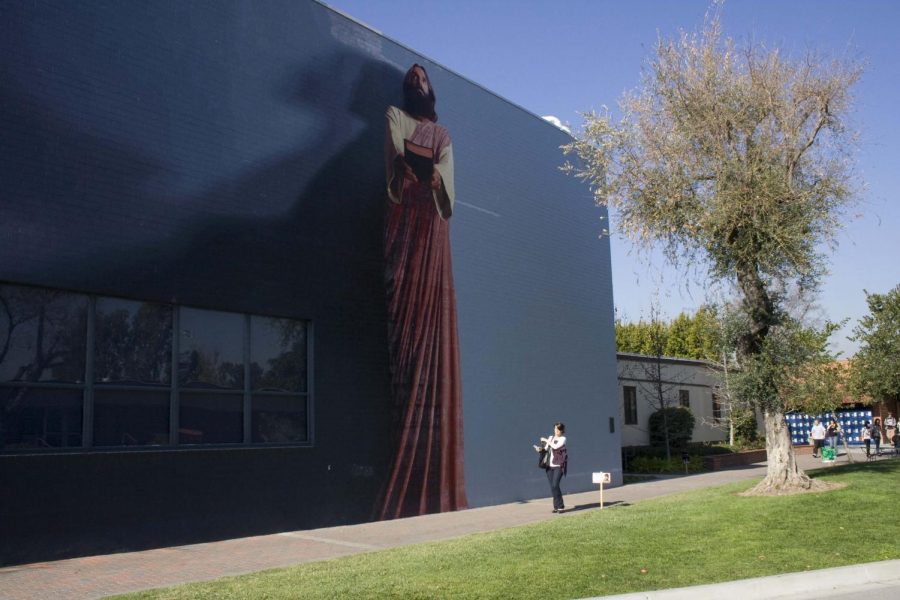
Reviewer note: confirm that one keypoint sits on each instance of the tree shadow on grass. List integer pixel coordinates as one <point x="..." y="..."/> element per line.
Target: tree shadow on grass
<point x="878" y="466"/>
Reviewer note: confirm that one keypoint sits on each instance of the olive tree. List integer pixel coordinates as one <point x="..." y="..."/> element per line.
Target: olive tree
<point x="737" y="159"/>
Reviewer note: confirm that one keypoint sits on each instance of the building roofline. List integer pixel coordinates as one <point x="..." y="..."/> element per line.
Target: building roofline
<point x="667" y="359"/>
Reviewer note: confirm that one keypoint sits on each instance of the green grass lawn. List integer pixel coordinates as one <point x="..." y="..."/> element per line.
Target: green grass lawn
<point x="686" y="539"/>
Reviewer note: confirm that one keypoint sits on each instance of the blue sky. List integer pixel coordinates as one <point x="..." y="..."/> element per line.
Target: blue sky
<point x="565" y="57"/>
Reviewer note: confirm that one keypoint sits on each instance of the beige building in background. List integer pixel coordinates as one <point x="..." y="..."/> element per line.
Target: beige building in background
<point x="685" y="382"/>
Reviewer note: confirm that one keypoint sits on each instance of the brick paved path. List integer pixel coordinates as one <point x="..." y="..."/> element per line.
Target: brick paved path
<point x="98" y="576"/>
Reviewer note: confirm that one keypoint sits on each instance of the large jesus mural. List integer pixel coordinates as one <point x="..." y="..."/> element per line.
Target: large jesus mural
<point x="427" y="466"/>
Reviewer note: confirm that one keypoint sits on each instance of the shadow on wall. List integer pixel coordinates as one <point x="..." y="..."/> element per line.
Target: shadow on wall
<point x="329" y="240"/>
<point x="322" y="260"/>
<point x="326" y="250"/>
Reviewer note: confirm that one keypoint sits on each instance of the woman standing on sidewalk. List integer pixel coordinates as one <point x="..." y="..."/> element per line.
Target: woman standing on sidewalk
<point x="559" y="460"/>
<point x="818" y="437"/>
<point x="832" y="433"/>
<point x="876" y="435"/>
<point x="890" y="427"/>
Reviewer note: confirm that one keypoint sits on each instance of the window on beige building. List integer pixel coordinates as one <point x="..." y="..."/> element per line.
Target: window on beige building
<point x="630" y="396"/>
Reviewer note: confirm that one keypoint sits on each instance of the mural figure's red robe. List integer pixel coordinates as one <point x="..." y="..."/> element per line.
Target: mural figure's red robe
<point x="427" y="466"/>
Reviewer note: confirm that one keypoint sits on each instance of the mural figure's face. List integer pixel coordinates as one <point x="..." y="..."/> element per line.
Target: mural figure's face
<point x="419" y="80"/>
<point x="418" y="95"/>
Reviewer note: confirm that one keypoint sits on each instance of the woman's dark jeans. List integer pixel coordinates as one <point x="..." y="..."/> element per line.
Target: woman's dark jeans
<point x="553" y="476"/>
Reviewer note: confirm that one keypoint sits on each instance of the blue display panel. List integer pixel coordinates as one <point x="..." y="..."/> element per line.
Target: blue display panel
<point x="851" y="422"/>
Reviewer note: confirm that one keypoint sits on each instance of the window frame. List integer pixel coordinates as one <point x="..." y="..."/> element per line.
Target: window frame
<point x="716" y="408"/>
<point x="88" y="387"/>
<point x="629" y="404"/>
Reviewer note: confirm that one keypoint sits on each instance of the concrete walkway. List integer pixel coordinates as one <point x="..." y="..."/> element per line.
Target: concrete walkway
<point x="875" y="580"/>
<point x="98" y="576"/>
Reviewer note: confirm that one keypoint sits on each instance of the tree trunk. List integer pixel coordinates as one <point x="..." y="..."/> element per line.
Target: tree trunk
<point x="661" y="398"/>
<point x="783" y="476"/>
<point x="665" y="415"/>
<point x="730" y="400"/>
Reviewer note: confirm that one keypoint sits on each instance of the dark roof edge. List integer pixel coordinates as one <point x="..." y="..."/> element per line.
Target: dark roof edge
<point x="667" y="359"/>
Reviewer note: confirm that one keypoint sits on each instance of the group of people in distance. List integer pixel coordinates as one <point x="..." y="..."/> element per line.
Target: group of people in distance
<point x="820" y="434"/>
<point x="872" y="432"/>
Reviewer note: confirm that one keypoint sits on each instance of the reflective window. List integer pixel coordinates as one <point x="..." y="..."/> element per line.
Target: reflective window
<point x="211" y="349"/>
<point x="211" y="418"/>
<point x="133" y="343"/>
<point x="716" y="407"/>
<point x="131" y="417"/>
<point x="277" y="354"/>
<point x="684" y="398"/>
<point x="47" y="383"/>
<point x="630" y="402"/>
<point x="42" y="335"/>
<point x="278" y="419"/>
<point x="36" y="418"/>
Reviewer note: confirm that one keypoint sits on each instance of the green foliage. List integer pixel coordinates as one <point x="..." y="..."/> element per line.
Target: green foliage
<point x="793" y="370"/>
<point x="681" y="341"/>
<point x="875" y="369"/>
<point x="619" y="550"/>
<point x="639" y="337"/>
<point x="745" y="445"/>
<point x="745" y="432"/>
<point x="680" y="422"/>
<point x="696" y="336"/>
<point x="701" y="449"/>
<point x="653" y="464"/>
<point x="736" y="157"/>
<point x="698" y="448"/>
<point x="706" y="330"/>
<point x="652" y="459"/>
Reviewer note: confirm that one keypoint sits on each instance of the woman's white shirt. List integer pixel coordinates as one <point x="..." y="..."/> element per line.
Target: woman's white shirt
<point x="818" y="432"/>
<point x="555" y="442"/>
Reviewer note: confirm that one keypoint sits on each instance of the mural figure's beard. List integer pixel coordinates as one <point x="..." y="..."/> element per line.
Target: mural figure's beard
<point x="419" y="104"/>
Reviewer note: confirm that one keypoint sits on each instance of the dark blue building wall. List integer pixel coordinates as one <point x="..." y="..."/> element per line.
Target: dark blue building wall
<point x="228" y="155"/>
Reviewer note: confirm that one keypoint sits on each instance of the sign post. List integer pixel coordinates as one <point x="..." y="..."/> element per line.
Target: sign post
<point x="600" y="478"/>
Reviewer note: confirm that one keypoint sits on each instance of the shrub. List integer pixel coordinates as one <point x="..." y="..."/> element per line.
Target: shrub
<point x="681" y="427"/>
<point x="745" y="432"/>
<point x="699" y="449"/>
<point x="652" y="464"/>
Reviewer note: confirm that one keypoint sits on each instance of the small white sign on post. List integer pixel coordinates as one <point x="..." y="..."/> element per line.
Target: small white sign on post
<point x="601" y="478"/>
